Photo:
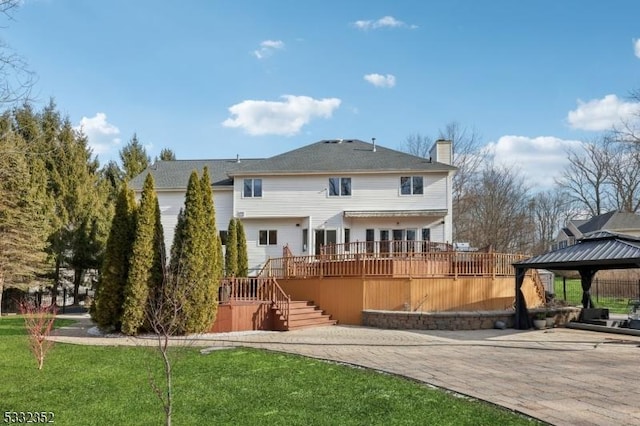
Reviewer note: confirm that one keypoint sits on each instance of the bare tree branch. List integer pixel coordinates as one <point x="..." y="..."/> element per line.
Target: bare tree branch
<point x="586" y="178"/>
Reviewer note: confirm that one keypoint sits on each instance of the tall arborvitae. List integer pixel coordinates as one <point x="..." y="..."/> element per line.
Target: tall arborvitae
<point x="188" y="255"/>
<point x="213" y="261"/>
<point x="107" y="308"/>
<point x="231" y="251"/>
<point x="145" y="264"/>
<point x="243" y="257"/>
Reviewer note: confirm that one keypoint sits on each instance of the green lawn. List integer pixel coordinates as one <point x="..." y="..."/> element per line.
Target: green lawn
<point x="87" y="385"/>
<point x="618" y="305"/>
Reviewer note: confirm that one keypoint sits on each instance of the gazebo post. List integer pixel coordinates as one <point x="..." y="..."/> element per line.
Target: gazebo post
<point x="586" y="278"/>
<point x="522" y="320"/>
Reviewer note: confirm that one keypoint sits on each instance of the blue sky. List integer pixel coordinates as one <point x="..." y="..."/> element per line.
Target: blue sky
<point x="216" y="79"/>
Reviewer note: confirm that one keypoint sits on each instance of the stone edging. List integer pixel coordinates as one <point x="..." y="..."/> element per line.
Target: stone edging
<point x="463" y="320"/>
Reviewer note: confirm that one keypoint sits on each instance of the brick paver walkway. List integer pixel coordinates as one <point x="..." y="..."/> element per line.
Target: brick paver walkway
<point x="561" y="376"/>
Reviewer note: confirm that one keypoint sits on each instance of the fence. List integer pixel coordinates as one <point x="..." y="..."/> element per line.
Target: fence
<point x="613" y="294"/>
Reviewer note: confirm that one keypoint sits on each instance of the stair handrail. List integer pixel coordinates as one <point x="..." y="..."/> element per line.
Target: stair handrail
<point x="265" y="268"/>
<point x="280" y="299"/>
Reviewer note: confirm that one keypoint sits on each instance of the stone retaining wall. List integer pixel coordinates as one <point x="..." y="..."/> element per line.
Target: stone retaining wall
<point x="455" y="320"/>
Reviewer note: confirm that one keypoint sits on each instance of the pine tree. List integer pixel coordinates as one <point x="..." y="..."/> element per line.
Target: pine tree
<point x="107" y="308"/>
<point x="243" y="257"/>
<point x="134" y="158"/>
<point x="23" y="220"/>
<point x="146" y="261"/>
<point x="167" y="154"/>
<point x="231" y="252"/>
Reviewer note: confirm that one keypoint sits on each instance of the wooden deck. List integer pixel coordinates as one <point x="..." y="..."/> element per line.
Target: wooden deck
<point x="346" y="282"/>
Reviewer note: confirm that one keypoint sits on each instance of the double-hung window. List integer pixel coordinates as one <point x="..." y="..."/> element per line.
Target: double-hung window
<point x="411" y="185"/>
<point x="339" y="187"/>
<point x="252" y="188"/>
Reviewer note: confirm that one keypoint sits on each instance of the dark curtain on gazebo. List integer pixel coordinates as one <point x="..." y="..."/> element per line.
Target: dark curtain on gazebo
<point x="522" y="320"/>
<point x="586" y="277"/>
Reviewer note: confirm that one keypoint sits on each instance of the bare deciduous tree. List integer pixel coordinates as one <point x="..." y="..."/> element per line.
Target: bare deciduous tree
<point x="164" y="318"/>
<point x="468" y="156"/>
<point x="418" y="144"/>
<point x="549" y="209"/>
<point x="497" y="211"/>
<point x="38" y="322"/>
<point x="586" y="178"/>
<point x="629" y="129"/>
<point x="16" y="79"/>
<point x="624" y="177"/>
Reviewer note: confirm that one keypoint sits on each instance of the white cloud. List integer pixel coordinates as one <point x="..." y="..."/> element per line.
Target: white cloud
<point x="539" y="159"/>
<point x="384" y="22"/>
<point x="101" y="134"/>
<point x="601" y="114"/>
<point x="636" y="47"/>
<point x="267" y="48"/>
<point x="380" y="80"/>
<point x="284" y="117"/>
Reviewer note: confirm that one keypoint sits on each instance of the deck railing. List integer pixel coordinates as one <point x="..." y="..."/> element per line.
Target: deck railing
<point x="255" y="289"/>
<point x="398" y="264"/>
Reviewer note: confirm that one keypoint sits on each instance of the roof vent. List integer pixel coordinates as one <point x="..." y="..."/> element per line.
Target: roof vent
<point x="237" y="158"/>
<point x="374" y="144"/>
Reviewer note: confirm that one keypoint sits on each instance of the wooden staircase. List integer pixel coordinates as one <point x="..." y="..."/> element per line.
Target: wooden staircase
<point x="302" y="314"/>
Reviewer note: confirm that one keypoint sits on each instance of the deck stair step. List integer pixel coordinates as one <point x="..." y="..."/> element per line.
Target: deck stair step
<point x="303" y="314"/>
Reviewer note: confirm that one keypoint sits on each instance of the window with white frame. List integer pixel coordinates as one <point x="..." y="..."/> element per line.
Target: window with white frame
<point x="339" y="186"/>
<point x="411" y="185"/>
<point x="252" y="188"/>
<point x="268" y="237"/>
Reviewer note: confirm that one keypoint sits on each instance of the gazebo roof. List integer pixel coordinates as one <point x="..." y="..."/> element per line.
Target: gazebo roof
<point x="599" y="250"/>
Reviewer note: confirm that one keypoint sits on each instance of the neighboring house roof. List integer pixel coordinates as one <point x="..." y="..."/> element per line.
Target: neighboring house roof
<point x="340" y="156"/>
<point x="600" y="250"/>
<point x="611" y="221"/>
<point x="568" y="232"/>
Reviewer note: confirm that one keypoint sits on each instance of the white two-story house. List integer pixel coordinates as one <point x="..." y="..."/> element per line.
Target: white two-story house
<point x="332" y="191"/>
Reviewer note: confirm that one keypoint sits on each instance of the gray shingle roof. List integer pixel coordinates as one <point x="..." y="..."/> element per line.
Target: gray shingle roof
<point x="600" y="250"/>
<point x="321" y="157"/>
<point x="342" y="155"/>
<point x="175" y="174"/>
<point x="611" y="221"/>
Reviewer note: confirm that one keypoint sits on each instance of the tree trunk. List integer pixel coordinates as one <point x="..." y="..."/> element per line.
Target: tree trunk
<point x="56" y="282"/>
<point x="78" y="278"/>
<point x="1" y="291"/>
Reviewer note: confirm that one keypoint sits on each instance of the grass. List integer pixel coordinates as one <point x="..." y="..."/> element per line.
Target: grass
<point x="92" y="385"/>
<point x="618" y="305"/>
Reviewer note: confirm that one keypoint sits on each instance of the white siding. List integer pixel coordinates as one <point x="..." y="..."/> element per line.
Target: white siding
<point x="288" y="235"/>
<point x="302" y="196"/>
<point x="290" y="204"/>
<point x="170" y="204"/>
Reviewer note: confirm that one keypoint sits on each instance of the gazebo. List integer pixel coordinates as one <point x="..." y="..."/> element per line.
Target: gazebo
<point x="597" y="251"/>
